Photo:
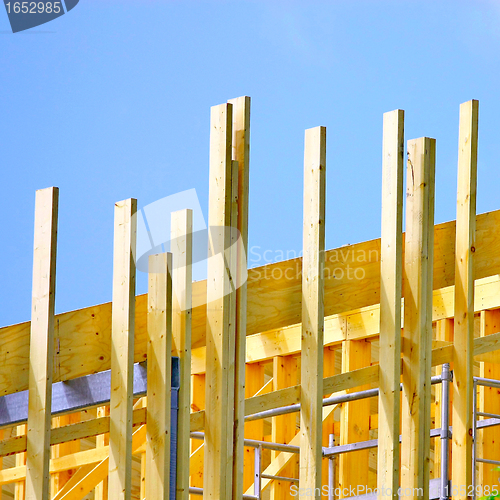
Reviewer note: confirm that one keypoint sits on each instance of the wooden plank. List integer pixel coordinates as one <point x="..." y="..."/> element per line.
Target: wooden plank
<point x="391" y="279"/>
<point x="355" y="419"/>
<point x="122" y="352"/>
<point x="218" y="468"/>
<point x="284" y="427"/>
<point x="255" y="429"/>
<point x="182" y="277"/>
<point x="101" y="490"/>
<point x="159" y="376"/>
<point x="417" y="345"/>
<point x="464" y="298"/>
<point x="444" y="332"/>
<point x="197" y="404"/>
<point x="20" y="487"/>
<point x="313" y="310"/>
<point x="329" y="422"/>
<point x="489" y="402"/>
<point x="241" y="154"/>
<point x="354" y="325"/>
<point x="41" y="345"/>
<point x="59" y="480"/>
<point x="272" y="303"/>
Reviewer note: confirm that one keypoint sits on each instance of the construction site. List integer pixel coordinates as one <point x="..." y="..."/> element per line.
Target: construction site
<point x="370" y="370"/>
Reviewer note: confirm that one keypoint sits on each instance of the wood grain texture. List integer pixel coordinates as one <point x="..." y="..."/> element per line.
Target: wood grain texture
<point x="311" y="397"/>
<point x="41" y="345"/>
<point x="464" y="298"/>
<point x="417" y="345"/>
<point x="122" y="351"/>
<point x="182" y="277"/>
<point x="159" y="377"/>
<point x="391" y="272"/>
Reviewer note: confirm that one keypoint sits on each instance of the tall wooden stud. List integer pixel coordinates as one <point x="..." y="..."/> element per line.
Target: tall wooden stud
<point x="313" y="311"/>
<point x="391" y="279"/>
<point x="41" y="345"/>
<point x="182" y="277"/>
<point x="489" y="402"/>
<point x="159" y="377"/>
<point x="122" y="352"/>
<point x="464" y="299"/>
<point x="241" y="154"/>
<point x="284" y="427"/>
<point x="355" y="419"/>
<point x="218" y="468"/>
<point x="417" y="345"/>
<point x="101" y="490"/>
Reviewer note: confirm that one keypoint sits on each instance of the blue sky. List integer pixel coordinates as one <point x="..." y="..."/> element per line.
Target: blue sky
<point x="112" y="101"/>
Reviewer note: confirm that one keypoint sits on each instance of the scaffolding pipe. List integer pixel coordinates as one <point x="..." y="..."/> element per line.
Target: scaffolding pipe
<point x="445" y="430"/>
<point x="331" y="468"/>
<point x="341" y="398"/>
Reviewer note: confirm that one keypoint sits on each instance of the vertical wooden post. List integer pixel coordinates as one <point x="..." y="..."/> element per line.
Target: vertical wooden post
<point x="197" y="404"/>
<point x="254" y="429"/>
<point x="489" y="402"/>
<point x="444" y="331"/>
<point x="122" y="352"/>
<point x="218" y="469"/>
<point x="241" y="154"/>
<point x="391" y="279"/>
<point x="159" y="377"/>
<point x="284" y="427"/>
<point x="464" y="300"/>
<point x="20" y="487"/>
<point x="329" y="370"/>
<point x="59" y="479"/>
<point x="101" y="490"/>
<point x="417" y="345"/>
<point x="182" y="277"/>
<point x="41" y="345"/>
<point x="355" y="419"/>
<point x="313" y="263"/>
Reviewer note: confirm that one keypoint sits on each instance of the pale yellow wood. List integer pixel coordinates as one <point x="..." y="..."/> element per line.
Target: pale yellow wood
<point x="74" y="461"/>
<point x="329" y="370"/>
<point x="20" y="487"/>
<point x="197" y="404"/>
<point x="182" y="255"/>
<point x="312" y="310"/>
<point x="159" y="377"/>
<point x="101" y="490"/>
<point x="272" y="303"/>
<point x="241" y="154"/>
<point x="89" y="475"/>
<point x="417" y="345"/>
<point x="122" y="352"/>
<point x="74" y="480"/>
<point x="354" y="325"/>
<point x="355" y="419"/>
<point x="41" y="345"/>
<point x="218" y="468"/>
<point x="489" y="402"/>
<point x="284" y="427"/>
<point x="444" y="332"/>
<point x="255" y="429"/>
<point x="81" y="430"/>
<point x="283" y="459"/>
<point x="464" y="298"/>
<point x="391" y="279"/>
<point x="59" y="480"/>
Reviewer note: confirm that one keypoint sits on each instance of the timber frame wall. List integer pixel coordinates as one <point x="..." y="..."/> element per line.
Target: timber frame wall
<point x="293" y="332"/>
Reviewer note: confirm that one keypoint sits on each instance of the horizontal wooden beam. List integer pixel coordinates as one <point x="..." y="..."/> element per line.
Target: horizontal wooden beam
<point x="353" y="325"/>
<point x="272" y="303"/>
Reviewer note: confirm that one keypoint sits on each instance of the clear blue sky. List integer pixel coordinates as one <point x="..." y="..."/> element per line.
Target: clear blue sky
<point x="114" y="102"/>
